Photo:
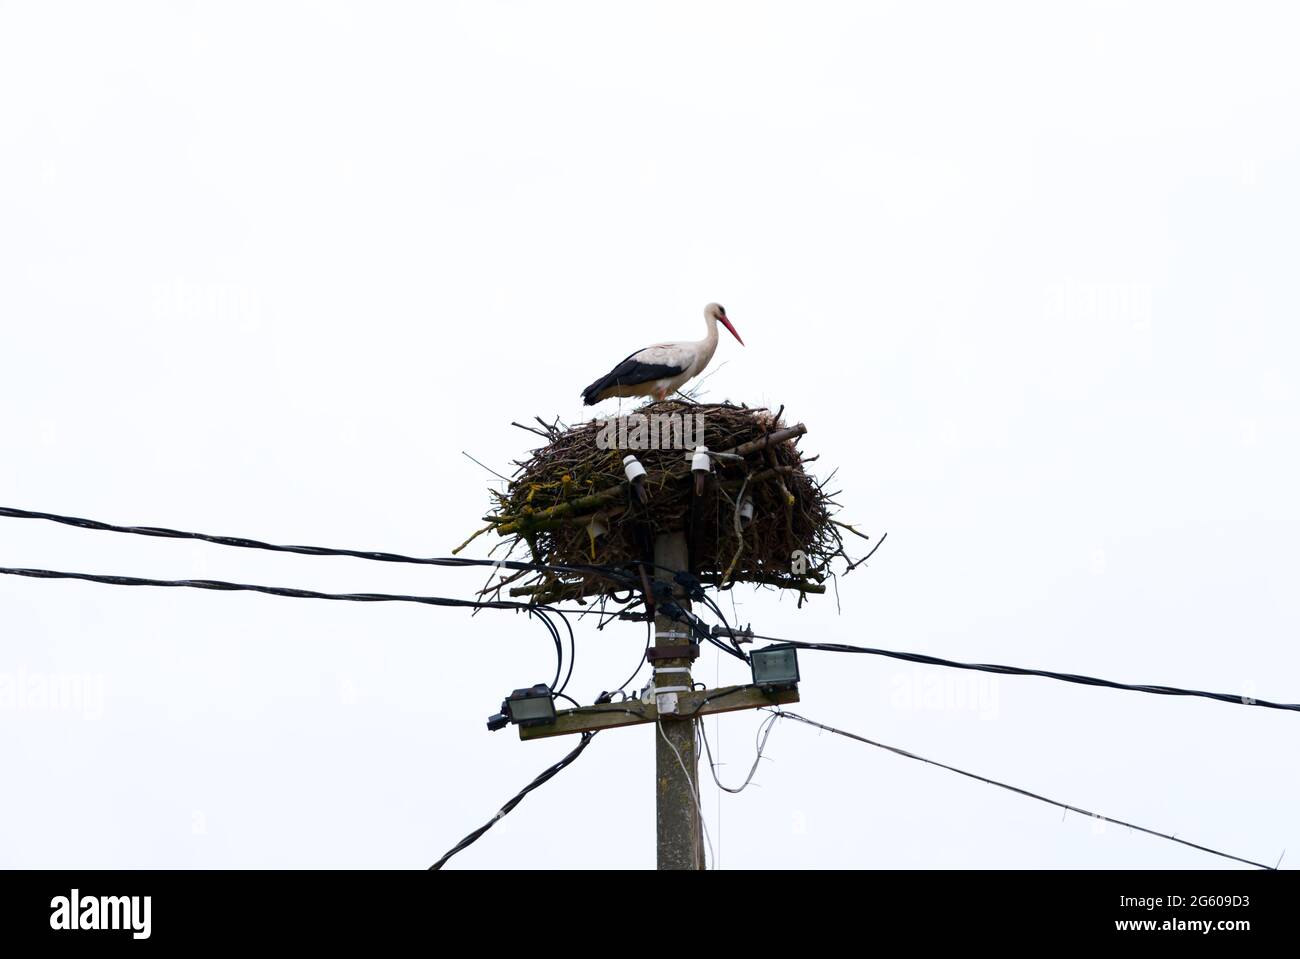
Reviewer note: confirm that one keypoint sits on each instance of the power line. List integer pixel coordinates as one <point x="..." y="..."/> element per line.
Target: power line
<point x="381" y="556"/>
<point x="1024" y="671"/>
<point x="1016" y="789"/>
<point x="622" y="577"/>
<point x="545" y="776"/>
<point x="542" y="613"/>
<point x="217" y="584"/>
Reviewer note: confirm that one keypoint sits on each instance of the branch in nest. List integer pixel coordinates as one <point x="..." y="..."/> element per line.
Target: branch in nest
<point x="762" y="476"/>
<point x="555" y="522"/>
<point x="740" y="533"/>
<point x="880" y="542"/>
<point x="771" y="439"/>
<point x="549" y="437"/>
<point x="532" y="521"/>
<point x="851" y="528"/>
<point x="471" y="539"/>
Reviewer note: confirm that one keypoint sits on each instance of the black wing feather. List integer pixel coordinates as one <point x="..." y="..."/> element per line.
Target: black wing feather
<point x="628" y="373"/>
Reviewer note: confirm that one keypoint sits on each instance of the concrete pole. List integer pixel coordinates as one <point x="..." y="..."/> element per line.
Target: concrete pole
<point x="680" y="833"/>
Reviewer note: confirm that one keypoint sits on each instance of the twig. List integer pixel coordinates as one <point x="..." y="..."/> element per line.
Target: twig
<point x="532" y="429"/>
<point x="471" y="539"/>
<point x="771" y="439"/>
<point x="879" y="543"/>
<point x="740" y="534"/>
<point x="485" y="466"/>
<point x="851" y="528"/>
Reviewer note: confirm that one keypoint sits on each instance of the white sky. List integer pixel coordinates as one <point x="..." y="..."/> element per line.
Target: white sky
<point x="1027" y="273"/>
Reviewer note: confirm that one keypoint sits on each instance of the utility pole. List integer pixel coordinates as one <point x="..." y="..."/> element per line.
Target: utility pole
<point x="671" y="702"/>
<point x="674" y="708"/>
<point x="680" y="833"/>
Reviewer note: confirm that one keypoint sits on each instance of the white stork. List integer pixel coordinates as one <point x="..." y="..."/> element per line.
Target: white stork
<point x="660" y="369"/>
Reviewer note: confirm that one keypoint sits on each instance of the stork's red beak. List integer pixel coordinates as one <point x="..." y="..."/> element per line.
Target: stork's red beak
<point x="727" y="323"/>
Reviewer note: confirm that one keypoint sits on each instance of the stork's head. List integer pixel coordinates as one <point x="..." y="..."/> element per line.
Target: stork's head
<point x="718" y="314"/>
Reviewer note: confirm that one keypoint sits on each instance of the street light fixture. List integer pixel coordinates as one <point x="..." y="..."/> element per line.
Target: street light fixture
<point x="775" y="667"/>
<point x="534" y="706"/>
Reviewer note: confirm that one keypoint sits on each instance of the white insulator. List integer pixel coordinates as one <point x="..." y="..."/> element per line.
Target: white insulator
<point x="746" y="511"/>
<point x="596" y="529"/>
<point x="701" y="461"/>
<point x="632" y="467"/>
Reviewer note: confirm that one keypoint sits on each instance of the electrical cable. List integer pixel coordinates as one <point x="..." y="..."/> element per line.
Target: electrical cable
<point x="573" y="653"/>
<point x="673" y="610"/>
<point x="1016" y="789"/>
<point x="543" y="613"/>
<point x="708" y="601"/>
<point x="559" y="649"/>
<point x="545" y="776"/>
<point x="1023" y="671"/>
<point x="241" y="542"/>
<point x="275" y="590"/>
<point x="695" y="590"/>
<point x="558" y="685"/>
<point x="760" y="742"/>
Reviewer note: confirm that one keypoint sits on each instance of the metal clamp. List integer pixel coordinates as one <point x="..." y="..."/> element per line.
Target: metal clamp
<point x="679" y="651"/>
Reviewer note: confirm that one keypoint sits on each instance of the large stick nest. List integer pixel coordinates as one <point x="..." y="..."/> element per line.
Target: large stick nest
<point x="570" y="502"/>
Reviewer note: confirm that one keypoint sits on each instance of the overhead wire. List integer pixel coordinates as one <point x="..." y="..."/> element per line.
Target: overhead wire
<point x="621" y="576"/>
<point x="216" y="584"/>
<point x="543" y="777"/>
<point x="671" y="608"/>
<point x="760" y="743"/>
<point x="541" y="613"/>
<point x="382" y="556"/>
<point x="924" y="659"/>
<point x="785" y="714"/>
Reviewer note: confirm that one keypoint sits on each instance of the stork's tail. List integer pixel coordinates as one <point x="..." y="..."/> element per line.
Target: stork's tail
<point x="591" y="395"/>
